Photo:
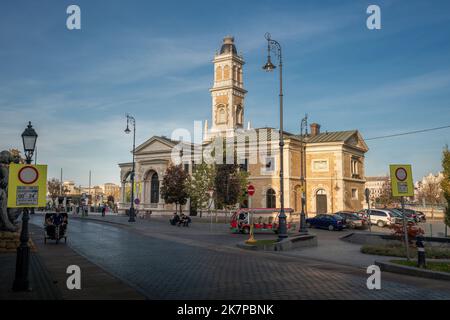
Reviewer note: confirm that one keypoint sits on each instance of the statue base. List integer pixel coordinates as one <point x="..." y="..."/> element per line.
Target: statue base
<point x="9" y="241"/>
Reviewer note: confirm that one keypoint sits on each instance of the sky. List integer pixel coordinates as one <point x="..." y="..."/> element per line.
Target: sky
<point x="153" y="59"/>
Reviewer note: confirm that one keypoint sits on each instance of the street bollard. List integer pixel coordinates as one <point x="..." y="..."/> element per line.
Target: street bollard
<point x="252" y="239"/>
<point x="421" y="262"/>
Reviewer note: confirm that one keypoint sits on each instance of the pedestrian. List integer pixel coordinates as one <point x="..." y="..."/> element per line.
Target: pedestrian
<point x="103" y="211"/>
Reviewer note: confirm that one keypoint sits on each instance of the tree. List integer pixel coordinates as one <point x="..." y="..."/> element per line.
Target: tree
<point x="431" y="192"/>
<point x="17" y="156"/>
<point x="54" y="188"/>
<point x="445" y="183"/>
<point x="201" y="182"/>
<point x="230" y="185"/>
<point x="386" y="199"/>
<point x="174" y="185"/>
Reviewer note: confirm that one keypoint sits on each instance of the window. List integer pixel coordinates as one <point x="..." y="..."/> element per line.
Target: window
<point x="320" y="165"/>
<point x="354" y="194"/>
<point x="269" y="165"/>
<point x="154" y="189"/>
<point x="222" y="117"/>
<point x="186" y="167"/>
<point x="270" y="199"/>
<point x="244" y="166"/>
<point x="354" y="167"/>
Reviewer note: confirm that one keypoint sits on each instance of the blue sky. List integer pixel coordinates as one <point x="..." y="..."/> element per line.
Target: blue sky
<point x="153" y="60"/>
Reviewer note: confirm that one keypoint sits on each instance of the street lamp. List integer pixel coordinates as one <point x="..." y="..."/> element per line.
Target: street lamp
<point x="303" y="128"/>
<point x="21" y="283"/>
<point x="275" y="47"/>
<point x="131" y="120"/>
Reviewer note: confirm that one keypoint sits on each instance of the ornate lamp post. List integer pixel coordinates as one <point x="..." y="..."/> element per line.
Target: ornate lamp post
<point x="21" y="283"/>
<point x="130" y="119"/>
<point x="275" y="47"/>
<point x="303" y="128"/>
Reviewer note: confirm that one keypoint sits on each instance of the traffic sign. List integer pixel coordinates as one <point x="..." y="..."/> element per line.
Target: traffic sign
<point x="27" y="185"/>
<point x="250" y="190"/>
<point x="401" y="180"/>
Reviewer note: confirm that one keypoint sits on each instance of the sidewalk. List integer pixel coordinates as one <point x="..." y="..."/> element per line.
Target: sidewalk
<point x="48" y="275"/>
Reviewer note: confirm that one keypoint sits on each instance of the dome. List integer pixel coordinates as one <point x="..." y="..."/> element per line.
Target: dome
<point x="228" y="45"/>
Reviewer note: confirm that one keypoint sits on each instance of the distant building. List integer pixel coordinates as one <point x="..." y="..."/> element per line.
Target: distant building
<point x="428" y="190"/>
<point x="112" y="189"/>
<point x="376" y="186"/>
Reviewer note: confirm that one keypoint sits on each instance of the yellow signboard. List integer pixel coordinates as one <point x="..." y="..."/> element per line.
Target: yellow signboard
<point x="401" y="180"/>
<point x="27" y="186"/>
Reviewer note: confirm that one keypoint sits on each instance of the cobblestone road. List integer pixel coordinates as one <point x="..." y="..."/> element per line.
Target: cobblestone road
<point x="163" y="266"/>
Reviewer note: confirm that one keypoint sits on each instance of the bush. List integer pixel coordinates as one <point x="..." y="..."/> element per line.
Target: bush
<point x="398" y="250"/>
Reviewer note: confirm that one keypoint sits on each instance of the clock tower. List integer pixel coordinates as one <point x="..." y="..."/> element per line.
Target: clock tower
<point x="228" y="90"/>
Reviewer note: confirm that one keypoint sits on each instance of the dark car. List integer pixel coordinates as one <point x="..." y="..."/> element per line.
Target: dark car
<point x="410" y="214"/>
<point x="352" y="220"/>
<point x="326" y="221"/>
<point x="416" y="215"/>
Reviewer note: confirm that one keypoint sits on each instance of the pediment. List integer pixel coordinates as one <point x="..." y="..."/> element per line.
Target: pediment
<point x="357" y="141"/>
<point x="155" y="145"/>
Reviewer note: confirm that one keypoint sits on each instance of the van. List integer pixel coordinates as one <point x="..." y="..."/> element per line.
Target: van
<point x="262" y="219"/>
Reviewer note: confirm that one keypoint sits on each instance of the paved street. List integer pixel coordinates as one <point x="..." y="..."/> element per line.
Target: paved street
<point x="200" y="262"/>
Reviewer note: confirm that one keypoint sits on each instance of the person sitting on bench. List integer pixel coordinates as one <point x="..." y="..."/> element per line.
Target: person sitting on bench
<point x="185" y="220"/>
<point x="175" y="219"/>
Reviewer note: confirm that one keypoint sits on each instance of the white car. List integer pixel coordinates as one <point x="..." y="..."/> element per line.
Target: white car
<point x="382" y="217"/>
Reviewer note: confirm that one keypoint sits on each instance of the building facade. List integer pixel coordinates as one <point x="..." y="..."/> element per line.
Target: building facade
<point x="327" y="166"/>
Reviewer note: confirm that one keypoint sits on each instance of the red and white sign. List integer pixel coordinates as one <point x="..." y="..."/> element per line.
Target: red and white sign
<point x="250" y="190"/>
<point x="28" y="175"/>
<point x="401" y="174"/>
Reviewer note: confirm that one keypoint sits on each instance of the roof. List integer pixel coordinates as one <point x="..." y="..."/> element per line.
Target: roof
<point x="228" y="45"/>
<point x="336" y="136"/>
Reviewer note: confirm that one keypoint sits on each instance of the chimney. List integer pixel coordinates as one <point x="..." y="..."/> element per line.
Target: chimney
<point x="315" y="129"/>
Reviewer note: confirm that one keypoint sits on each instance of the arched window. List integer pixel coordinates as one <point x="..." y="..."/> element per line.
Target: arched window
<point x="221" y="116"/>
<point x="226" y="73"/>
<point x="271" y="199"/>
<point x="219" y="73"/>
<point x="239" y="115"/>
<point x="154" y="189"/>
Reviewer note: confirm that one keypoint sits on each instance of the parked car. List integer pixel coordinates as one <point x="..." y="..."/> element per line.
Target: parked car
<point x="382" y="217"/>
<point x="352" y="220"/>
<point x="416" y="215"/>
<point x="410" y="219"/>
<point x="326" y="221"/>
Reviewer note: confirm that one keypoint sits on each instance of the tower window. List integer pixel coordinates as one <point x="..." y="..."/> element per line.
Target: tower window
<point x="218" y="73"/>
<point x="239" y="113"/>
<point x="221" y="116"/>
<point x="226" y="73"/>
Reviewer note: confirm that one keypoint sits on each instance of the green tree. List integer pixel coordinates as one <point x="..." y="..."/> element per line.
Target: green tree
<point x="230" y="185"/>
<point x="201" y="182"/>
<point x="174" y="185"/>
<point x="54" y="188"/>
<point x="386" y="199"/>
<point x="445" y="183"/>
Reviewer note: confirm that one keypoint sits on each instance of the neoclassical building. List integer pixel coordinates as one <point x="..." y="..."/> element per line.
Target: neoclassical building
<point x="327" y="166"/>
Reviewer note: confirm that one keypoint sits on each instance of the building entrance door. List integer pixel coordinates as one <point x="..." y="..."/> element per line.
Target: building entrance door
<point x="321" y="202"/>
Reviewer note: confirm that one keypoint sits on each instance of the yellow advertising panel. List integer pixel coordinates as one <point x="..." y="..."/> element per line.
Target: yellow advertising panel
<point x="27" y="186"/>
<point x="401" y="180"/>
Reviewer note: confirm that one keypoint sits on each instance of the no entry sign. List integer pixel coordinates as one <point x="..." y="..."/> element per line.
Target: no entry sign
<point x="28" y="175"/>
<point x="401" y="180"/>
<point x="27" y="185"/>
<point x="250" y="190"/>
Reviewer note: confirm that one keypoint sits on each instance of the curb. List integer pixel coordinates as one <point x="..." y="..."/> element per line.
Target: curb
<point x="299" y="241"/>
<point x="412" y="271"/>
